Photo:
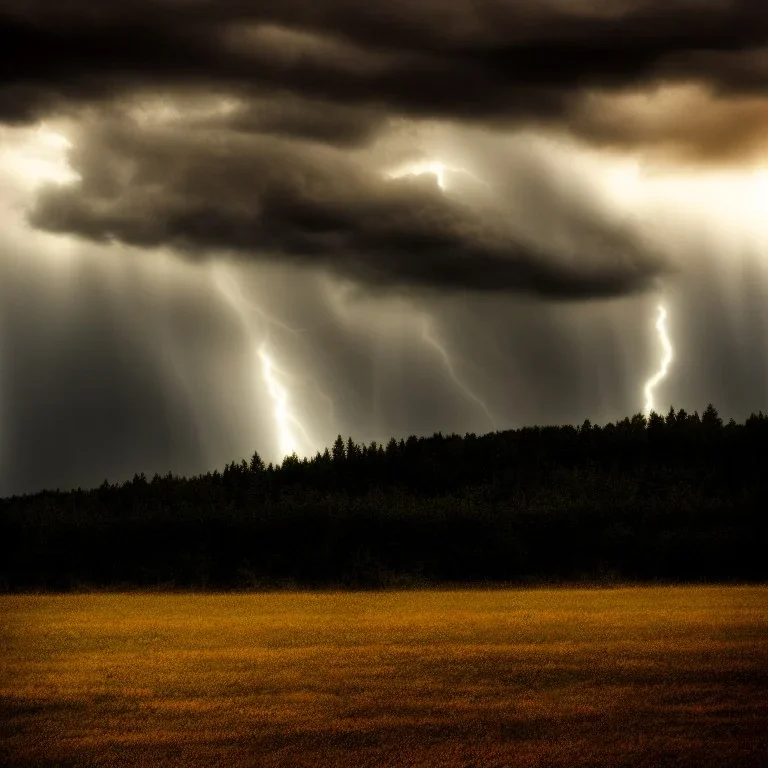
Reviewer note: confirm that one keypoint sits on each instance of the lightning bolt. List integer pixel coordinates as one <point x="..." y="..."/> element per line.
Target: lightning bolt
<point x="291" y="434"/>
<point x="435" y="167"/>
<point x="439" y="170"/>
<point x="436" y="345"/>
<point x="666" y="360"/>
<point x="284" y="420"/>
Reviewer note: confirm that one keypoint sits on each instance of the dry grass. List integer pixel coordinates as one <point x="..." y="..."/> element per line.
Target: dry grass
<point x="640" y="677"/>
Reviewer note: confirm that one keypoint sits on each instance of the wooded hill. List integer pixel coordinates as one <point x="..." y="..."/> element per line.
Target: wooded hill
<point x="675" y="498"/>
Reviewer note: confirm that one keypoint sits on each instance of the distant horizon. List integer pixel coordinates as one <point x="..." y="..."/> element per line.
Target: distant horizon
<point x="277" y="465"/>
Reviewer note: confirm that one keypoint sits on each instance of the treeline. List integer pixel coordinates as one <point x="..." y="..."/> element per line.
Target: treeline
<point x="675" y="498"/>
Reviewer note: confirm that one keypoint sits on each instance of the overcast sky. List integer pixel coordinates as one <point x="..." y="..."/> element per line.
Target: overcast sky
<point x="238" y="225"/>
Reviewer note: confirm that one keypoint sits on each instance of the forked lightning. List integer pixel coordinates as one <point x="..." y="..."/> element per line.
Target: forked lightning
<point x="666" y="361"/>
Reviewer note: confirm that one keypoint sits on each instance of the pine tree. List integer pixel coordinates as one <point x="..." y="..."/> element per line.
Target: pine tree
<point x="338" y="452"/>
<point x="256" y="465"/>
<point x="711" y="418"/>
<point x="655" y="421"/>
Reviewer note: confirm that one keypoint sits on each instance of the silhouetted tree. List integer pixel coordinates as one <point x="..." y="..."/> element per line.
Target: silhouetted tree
<point x="711" y="418"/>
<point x="338" y="452"/>
<point x="257" y="465"/>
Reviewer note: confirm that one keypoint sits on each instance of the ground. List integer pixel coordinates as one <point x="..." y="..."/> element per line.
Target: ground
<point x="667" y="676"/>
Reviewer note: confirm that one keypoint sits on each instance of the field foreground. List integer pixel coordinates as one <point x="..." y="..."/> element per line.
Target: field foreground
<point x="545" y="677"/>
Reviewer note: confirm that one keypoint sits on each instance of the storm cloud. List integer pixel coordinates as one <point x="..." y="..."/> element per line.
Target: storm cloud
<point x="491" y="62"/>
<point x="275" y="199"/>
<point x="278" y="169"/>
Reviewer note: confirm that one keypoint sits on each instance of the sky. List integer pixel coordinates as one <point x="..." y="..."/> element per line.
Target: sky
<point x="230" y="226"/>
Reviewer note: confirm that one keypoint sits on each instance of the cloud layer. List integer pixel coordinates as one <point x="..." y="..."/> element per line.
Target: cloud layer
<point x="285" y="163"/>
<point x="202" y="192"/>
<point x="492" y="62"/>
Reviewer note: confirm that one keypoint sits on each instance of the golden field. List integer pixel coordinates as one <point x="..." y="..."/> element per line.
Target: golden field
<point x="662" y="676"/>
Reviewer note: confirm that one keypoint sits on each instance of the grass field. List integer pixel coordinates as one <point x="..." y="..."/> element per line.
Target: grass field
<point x="544" y="677"/>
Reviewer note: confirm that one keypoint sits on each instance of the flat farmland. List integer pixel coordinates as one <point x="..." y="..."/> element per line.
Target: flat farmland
<point x="668" y="676"/>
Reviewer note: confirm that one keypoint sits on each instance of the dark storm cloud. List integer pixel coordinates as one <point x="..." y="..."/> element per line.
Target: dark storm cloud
<point x="492" y="61"/>
<point x="281" y="174"/>
<point x="285" y="114"/>
<point x="271" y="198"/>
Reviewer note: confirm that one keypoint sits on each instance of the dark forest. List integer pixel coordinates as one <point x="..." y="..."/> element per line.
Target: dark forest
<point x="680" y="498"/>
